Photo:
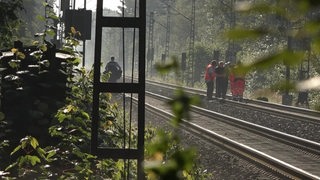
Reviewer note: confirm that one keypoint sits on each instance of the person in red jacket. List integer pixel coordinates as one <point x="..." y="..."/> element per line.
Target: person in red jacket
<point x="237" y="83"/>
<point x="209" y="77"/>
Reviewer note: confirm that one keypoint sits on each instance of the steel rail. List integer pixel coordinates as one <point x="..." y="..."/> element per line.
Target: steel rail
<point x="307" y="145"/>
<point x="295" y="113"/>
<point x="275" y="164"/>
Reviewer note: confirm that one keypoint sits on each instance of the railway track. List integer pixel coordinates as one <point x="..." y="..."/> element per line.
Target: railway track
<point x="298" y="122"/>
<point x="278" y="109"/>
<point x="296" y="113"/>
<point x="284" y="154"/>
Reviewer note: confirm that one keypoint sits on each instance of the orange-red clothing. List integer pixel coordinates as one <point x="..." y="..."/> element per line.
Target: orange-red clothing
<point x="237" y="84"/>
<point x="210" y="75"/>
<point x="231" y="79"/>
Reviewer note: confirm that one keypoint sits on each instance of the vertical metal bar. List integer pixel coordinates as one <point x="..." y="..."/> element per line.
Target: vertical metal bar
<point x="126" y="163"/>
<point x="84" y="41"/>
<point x="141" y="101"/>
<point x="96" y="79"/>
<point x="84" y="53"/>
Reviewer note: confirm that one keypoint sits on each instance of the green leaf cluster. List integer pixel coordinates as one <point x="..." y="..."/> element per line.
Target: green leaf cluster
<point x="166" y="158"/>
<point x="30" y="157"/>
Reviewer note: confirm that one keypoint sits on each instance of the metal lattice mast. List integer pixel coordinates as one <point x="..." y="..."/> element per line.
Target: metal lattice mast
<point x="167" y="45"/>
<point x="191" y="45"/>
<point x="150" y="53"/>
<point x="119" y="24"/>
<point x="232" y="46"/>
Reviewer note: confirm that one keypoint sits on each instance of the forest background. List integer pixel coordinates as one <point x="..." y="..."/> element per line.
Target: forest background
<point x="212" y="18"/>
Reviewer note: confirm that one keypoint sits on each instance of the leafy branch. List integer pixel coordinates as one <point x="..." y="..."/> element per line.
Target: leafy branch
<point x="167" y="158"/>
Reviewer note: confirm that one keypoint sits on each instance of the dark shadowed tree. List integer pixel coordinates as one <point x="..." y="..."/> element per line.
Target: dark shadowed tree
<point x="9" y="21"/>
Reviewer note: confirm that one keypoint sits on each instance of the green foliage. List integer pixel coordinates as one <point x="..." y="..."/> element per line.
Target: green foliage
<point x="202" y="55"/>
<point x="29" y="81"/>
<point x="181" y="105"/>
<point x="5" y="143"/>
<point x="31" y="159"/>
<point x="257" y="31"/>
<point x="28" y="144"/>
<point x="286" y="20"/>
<point x="68" y="155"/>
<point x="9" y="21"/>
<point x="168" y="67"/>
<point x="241" y="33"/>
<point x="73" y="125"/>
<point x="288" y="56"/>
<point x="73" y="133"/>
<point x="49" y="31"/>
<point x="30" y="25"/>
<point x="166" y="159"/>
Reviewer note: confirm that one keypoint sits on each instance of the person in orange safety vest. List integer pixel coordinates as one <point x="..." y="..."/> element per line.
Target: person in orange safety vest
<point x="209" y="77"/>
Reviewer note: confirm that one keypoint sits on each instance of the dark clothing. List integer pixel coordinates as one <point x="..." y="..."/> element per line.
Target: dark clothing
<point x="115" y="71"/>
<point x="303" y="99"/>
<point x="210" y="87"/>
<point x="221" y="82"/>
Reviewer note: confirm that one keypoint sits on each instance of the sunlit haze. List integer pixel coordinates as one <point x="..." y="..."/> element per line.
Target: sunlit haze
<point x="91" y="4"/>
<point x="110" y="4"/>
